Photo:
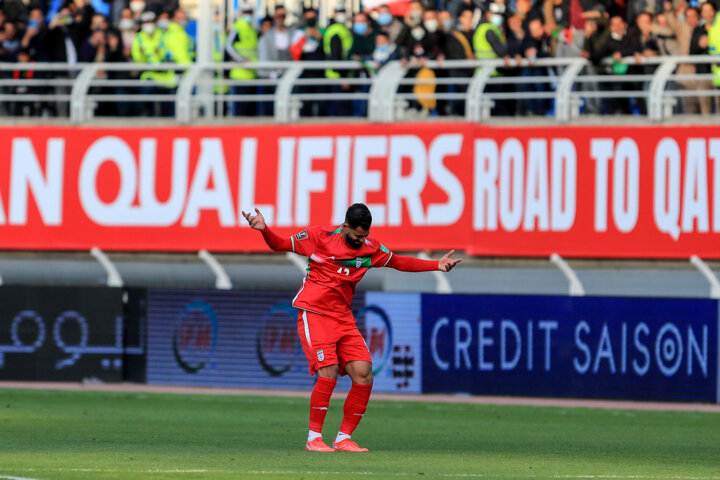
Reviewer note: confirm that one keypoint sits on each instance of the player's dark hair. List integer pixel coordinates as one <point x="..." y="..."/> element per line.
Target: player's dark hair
<point x="358" y="215"/>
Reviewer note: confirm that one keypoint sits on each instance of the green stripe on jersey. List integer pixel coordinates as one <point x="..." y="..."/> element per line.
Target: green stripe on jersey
<point x="337" y="230"/>
<point x="384" y="248"/>
<point x="365" y="262"/>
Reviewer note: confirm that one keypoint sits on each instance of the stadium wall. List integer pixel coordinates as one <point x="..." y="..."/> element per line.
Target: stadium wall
<point x="530" y="345"/>
<point x="600" y="192"/>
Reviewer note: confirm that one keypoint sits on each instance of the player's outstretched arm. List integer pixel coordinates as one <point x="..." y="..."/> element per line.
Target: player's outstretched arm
<point x="276" y="242"/>
<point x="412" y="264"/>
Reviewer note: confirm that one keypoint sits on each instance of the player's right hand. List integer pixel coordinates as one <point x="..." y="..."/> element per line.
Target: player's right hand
<point x="256" y="221"/>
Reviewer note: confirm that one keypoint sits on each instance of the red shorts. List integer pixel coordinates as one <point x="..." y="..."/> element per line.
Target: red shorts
<point x="328" y="341"/>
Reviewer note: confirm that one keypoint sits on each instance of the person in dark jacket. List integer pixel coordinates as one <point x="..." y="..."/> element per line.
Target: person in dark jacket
<point x="613" y="47"/>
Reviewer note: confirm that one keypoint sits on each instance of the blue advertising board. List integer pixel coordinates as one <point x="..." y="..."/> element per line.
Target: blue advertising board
<point x="631" y="348"/>
<point x="231" y="339"/>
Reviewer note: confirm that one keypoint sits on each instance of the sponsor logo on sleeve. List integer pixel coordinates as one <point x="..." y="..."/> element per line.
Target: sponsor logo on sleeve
<point x="302" y="235"/>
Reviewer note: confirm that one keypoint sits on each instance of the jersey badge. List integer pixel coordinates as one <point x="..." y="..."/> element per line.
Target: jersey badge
<point x="302" y="235"/>
<point x="358" y="262"/>
<point x="320" y="355"/>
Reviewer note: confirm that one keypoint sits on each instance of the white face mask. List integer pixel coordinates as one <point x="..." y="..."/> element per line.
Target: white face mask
<point x="127" y="24"/>
<point x="497" y="20"/>
<point x="340" y="18"/>
<point x="137" y="7"/>
<point x="431" y="25"/>
<point x="163" y="23"/>
<point x="616" y="36"/>
<point x="448" y="25"/>
<point x="148" y="28"/>
<point x="417" y="33"/>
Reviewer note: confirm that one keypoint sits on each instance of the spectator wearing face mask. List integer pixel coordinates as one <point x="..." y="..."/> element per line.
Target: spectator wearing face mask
<point x="307" y="44"/>
<point x="428" y="43"/>
<point x="163" y="20"/>
<point x="337" y="43"/>
<point x="242" y="46"/>
<point x="273" y="46"/>
<point x="385" y="51"/>
<point x="412" y="30"/>
<point x="488" y="39"/>
<point x="128" y="29"/>
<point x="489" y="43"/>
<point x="177" y="46"/>
<point x="363" y="45"/>
<point x="388" y="24"/>
<point x="146" y="51"/>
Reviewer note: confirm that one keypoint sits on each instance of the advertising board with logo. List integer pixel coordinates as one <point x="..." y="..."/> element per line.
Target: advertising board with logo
<point x="392" y="330"/>
<point x="63" y="333"/>
<point x="633" y="348"/>
<point x="227" y="339"/>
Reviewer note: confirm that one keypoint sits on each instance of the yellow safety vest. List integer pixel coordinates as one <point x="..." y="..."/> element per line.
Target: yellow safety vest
<point x="246" y="46"/>
<point x="218" y="55"/>
<point x="346" y="40"/>
<point x="714" y="47"/>
<point x="146" y="49"/>
<point x="482" y="47"/>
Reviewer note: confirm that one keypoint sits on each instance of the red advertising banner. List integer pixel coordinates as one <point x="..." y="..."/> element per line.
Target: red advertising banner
<point x="645" y="192"/>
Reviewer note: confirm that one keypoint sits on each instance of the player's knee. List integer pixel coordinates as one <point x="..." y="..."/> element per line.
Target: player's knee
<point x="330" y="371"/>
<point x="364" y="377"/>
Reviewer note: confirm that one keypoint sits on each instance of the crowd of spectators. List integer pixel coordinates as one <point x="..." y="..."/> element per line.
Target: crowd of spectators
<point x="151" y="32"/>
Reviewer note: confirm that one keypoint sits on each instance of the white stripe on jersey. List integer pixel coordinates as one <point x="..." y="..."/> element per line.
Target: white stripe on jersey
<point x="388" y="260"/>
<point x="307" y="329"/>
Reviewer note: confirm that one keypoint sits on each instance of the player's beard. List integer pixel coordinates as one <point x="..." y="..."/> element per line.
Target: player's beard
<point x="354" y="244"/>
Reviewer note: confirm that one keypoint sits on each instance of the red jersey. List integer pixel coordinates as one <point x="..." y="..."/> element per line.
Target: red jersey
<point x="334" y="269"/>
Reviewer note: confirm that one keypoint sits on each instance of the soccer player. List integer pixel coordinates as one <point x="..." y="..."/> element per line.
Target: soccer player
<point x="339" y="257"/>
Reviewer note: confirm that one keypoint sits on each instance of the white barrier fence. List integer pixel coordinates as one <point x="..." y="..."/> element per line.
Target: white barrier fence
<point x="204" y="91"/>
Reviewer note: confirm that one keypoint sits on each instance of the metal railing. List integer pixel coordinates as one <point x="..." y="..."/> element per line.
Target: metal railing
<point x="475" y="88"/>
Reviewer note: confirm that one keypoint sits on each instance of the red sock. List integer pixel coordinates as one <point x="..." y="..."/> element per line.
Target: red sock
<point x="355" y="406"/>
<point x="319" y="401"/>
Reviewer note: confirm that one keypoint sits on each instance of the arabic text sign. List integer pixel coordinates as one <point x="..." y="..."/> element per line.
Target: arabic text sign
<point x="578" y="191"/>
<point x="59" y="333"/>
<point x="636" y="348"/>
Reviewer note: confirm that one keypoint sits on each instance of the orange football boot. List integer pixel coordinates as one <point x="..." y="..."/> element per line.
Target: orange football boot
<point x="348" y="445"/>
<point x="318" y="445"/>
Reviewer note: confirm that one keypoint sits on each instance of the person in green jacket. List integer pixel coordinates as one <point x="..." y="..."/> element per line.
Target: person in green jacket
<point x="176" y="46"/>
<point x="146" y="50"/>
<point x="242" y="47"/>
<point x="337" y="42"/>
<point x="714" y="48"/>
<point x="489" y="43"/>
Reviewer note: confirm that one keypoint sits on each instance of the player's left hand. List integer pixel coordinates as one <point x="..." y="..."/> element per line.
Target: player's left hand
<point x="446" y="263"/>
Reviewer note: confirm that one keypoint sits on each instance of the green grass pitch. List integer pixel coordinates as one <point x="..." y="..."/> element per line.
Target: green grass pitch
<point x="55" y="435"/>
